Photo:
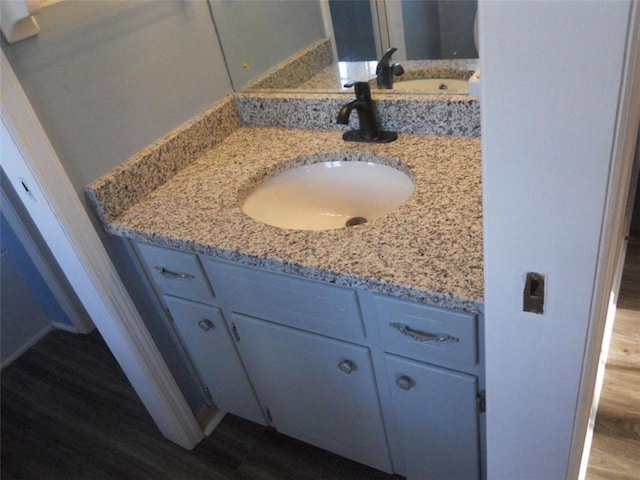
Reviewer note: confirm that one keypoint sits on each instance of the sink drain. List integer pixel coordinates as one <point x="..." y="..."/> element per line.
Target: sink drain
<point x="355" y="221"/>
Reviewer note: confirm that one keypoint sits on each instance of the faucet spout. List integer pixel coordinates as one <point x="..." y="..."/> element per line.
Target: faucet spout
<point x="366" y="118"/>
<point x="347" y="108"/>
<point x="386" y="72"/>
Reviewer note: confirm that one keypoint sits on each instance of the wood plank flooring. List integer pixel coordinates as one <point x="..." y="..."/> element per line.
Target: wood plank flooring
<point x="615" y="452"/>
<point x="68" y="412"/>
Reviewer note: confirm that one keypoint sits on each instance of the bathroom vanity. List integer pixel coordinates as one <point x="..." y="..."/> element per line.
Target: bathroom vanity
<point x="355" y="373"/>
<point x="365" y="341"/>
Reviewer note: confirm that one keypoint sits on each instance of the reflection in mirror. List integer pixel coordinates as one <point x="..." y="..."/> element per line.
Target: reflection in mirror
<point x="318" y="45"/>
<point x="419" y="29"/>
<point x="255" y="35"/>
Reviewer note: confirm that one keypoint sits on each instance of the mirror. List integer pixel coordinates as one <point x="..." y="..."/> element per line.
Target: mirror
<point x="319" y="45"/>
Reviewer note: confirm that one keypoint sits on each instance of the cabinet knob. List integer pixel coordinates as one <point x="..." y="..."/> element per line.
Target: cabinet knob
<point x="205" y="324"/>
<point x="404" y="382"/>
<point x="346" y="366"/>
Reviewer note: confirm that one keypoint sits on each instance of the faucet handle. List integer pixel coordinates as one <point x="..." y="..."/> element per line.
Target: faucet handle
<point x="397" y="70"/>
<point x="353" y="83"/>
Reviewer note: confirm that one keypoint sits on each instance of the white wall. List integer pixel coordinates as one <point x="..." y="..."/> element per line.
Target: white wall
<point x="551" y="73"/>
<point x="107" y="78"/>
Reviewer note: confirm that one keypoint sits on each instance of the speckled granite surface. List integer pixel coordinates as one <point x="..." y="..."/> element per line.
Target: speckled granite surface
<point x="429" y="250"/>
<point x="131" y="181"/>
<point x="457" y="115"/>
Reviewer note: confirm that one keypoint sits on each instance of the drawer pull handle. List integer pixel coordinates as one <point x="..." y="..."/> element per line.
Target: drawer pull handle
<point x="423" y="337"/>
<point x="205" y="324"/>
<point x="346" y="366"/>
<point x="404" y="382"/>
<point x="173" y="275"/>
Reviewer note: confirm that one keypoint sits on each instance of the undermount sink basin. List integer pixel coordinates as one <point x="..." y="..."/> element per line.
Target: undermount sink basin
<point x="328" y="195"/>
<point x="441" y="85"/>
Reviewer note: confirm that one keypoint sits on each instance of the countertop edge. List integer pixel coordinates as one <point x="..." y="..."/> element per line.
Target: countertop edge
<point x="343" y="279"/>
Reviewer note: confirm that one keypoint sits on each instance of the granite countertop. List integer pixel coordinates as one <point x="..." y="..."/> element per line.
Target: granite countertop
<point x="429" y="250"/>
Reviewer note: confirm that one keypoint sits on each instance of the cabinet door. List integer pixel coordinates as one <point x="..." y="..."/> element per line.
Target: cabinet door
<point x="210" y="346"/>
<point x="437" y="418"/>
<point x="318" y="390"/>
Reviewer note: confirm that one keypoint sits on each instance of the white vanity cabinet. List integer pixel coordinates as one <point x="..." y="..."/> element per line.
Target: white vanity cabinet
<point x="393" y="384"/>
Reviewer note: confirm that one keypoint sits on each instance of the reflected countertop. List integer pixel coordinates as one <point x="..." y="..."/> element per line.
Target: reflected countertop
<point x="336" y="75"/>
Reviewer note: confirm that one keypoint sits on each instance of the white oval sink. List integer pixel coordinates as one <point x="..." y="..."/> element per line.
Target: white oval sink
<point x="327" y="195"/>
<point x="440" y="85"/>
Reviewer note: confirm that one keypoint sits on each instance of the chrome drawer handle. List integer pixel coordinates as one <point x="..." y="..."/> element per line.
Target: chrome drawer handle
<point x="174" y="275"/>
<point x="205" y="324"/>
<point x="404" y="382"/>
<point x="346" y="366"/>
<point x="423" y="337"/>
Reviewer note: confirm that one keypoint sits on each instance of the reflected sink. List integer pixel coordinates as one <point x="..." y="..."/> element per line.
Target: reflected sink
<point x="328" y="195"/>
<point x="440" y="85"/>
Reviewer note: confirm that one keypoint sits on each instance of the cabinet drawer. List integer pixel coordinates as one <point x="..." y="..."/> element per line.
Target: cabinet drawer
<point x="426" y="333"/>
<point x="287" y="300"/>
<point x="176" y="273"/>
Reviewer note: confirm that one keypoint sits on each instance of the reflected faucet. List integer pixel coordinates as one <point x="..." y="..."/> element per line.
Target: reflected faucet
<point x="386" y="72"/>
<point x="363" y="104"/>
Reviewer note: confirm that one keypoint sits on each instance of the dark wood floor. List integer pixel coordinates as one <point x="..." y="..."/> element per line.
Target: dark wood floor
<point x="615" y="452"/>
<point x="68" y="412"/>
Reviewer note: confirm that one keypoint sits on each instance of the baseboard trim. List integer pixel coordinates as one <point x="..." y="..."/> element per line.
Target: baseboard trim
<point x="26" y="346"/>
<point x="66" y="328"/>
